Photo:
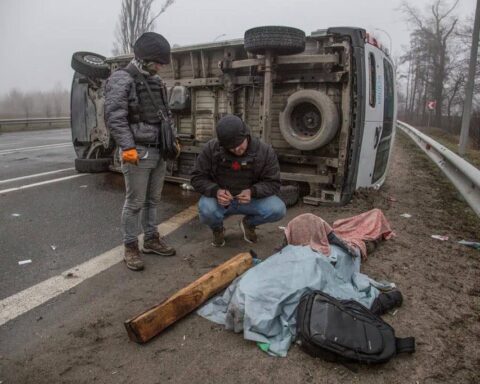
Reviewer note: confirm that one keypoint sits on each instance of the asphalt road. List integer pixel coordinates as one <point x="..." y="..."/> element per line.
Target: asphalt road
<point x="61" y="224"/>
<point x="77" y="335"/>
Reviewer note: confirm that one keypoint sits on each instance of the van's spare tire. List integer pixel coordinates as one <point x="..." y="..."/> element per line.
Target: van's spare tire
<point x="90" y="64"/>
<point x="280" y="40"/>
<point x="310" y="120"/>
<point x="92" y="165"/>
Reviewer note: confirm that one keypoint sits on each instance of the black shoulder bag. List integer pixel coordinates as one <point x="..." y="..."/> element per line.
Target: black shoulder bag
<point x="169" y="145"/>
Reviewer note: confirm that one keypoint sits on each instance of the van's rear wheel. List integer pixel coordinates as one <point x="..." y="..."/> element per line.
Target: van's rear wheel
<point x="90" y="64"/>
<point x="289" y="194"/>
<point x="280" y="40"/>
<point x="92" y="165"/>
<point x="309" y="121"/>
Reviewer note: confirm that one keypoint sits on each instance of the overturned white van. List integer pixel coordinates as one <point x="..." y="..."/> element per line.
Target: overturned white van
<point x="325" y="102"/>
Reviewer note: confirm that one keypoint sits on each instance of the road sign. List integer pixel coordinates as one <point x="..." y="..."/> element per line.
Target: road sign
<point x="431" y="104"/>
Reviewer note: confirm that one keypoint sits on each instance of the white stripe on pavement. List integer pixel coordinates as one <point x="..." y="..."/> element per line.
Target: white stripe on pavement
<point x="27" y="149"/>
<point x="35" y="175"/>
<point x="4" y="191"/>
<point x="21" y="302"/>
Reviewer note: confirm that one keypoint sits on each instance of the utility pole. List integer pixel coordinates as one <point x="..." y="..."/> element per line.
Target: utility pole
<point x="467" y="106"/>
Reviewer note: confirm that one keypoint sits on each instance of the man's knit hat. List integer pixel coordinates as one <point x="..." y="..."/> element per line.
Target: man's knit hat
<point x="152" y="46"/>
<point x="231" y="131"/>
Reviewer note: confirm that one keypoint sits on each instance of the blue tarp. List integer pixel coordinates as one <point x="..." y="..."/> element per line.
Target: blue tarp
<point x="262" y="302"/>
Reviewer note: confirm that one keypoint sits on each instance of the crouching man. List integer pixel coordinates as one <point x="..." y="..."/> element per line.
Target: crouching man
<point x="237" y="174"/>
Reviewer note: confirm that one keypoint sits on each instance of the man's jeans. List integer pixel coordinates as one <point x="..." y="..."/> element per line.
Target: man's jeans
<point x="257" y="212"/>
<point x="143" y="184"/>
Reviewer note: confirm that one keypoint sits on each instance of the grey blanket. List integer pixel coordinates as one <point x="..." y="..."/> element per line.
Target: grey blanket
<point x="262" y="303"/>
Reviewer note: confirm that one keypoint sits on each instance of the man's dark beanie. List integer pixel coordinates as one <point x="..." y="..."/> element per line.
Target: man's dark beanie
<point x="152" y="46"/>
<point x="231" y="131"/>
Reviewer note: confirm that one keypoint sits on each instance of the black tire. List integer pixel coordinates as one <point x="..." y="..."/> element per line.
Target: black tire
<point x="90" y="64"/>
<point x="280" y="40"/>
<point x="92" y="165"/>
<point x="310" y="120"/>
<point x="289" y="194"/>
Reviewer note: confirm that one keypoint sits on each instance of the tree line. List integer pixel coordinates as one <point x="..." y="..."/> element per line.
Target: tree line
<point x="434" y="67"/>
<point x="18" y="105"/>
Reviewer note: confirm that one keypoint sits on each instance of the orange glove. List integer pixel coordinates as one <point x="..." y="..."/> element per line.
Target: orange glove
<point x="130" y="156"/>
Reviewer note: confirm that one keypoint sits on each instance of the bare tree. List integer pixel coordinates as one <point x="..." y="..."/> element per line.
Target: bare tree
<point x="136" y="17"/>
<point x="432" y="34"/>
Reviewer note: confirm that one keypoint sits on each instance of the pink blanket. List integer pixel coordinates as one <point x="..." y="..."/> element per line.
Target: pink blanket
<point x="308" y="229"/>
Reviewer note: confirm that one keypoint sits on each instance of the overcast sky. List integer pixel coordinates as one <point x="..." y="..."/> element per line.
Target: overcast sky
<point x="38" y="37"/>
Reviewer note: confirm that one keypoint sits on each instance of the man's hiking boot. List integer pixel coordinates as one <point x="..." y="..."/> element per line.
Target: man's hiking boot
<point x="157" y="245"/>
<point x="218" y="237"/>
<point x="132" y="257"/>
<point x="248" y="231"/>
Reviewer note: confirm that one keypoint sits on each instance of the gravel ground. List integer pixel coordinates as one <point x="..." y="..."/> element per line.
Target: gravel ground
<point x="79" y="338"/>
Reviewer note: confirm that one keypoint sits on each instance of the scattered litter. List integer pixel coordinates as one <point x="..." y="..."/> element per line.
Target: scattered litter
<point x="440" y="237"/>
<point x="183" y="337"/>
<point x="281" y="228"/>
<point x="53" y="246"/>
<point x="16" y="214"/>
<point x="391" y="198"/>
<point x="471" y="244"/>
<point x="83" y="186"/>
<point x="394" y="312"/>
<point x="187" y="187"/>
<point x="406" y="215"/>
<point x="114" y="372"/>
<point x="21" y="262"/>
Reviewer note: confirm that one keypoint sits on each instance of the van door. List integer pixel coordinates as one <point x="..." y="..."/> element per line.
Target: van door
<point x="373" y="115"/>
<point x="384" y="148"/>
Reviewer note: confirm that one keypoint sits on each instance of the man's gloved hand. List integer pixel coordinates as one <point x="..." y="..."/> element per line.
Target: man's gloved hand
<point x="130" y="156"/>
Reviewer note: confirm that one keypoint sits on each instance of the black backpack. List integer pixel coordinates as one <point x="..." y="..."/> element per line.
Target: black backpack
<point x="345" y="331"/>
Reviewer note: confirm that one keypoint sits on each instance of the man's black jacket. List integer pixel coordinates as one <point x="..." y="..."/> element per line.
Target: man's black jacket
<point x="266" y="169"/>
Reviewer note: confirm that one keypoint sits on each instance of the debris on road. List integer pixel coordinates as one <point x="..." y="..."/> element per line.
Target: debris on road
<point x="440" y="237"/>
<point x="53" y="246"/>
<point x="21" y="262"/>
<point x="16" y="214"/>
<point x="83" y="186"/>
<point x="471" y="244"/>
<point x="150" y="323"/>
<point x="406" y="215"/>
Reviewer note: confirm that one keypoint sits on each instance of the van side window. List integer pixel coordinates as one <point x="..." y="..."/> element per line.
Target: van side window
<point x="389" y="99"/>
<point x="373" y="77"/>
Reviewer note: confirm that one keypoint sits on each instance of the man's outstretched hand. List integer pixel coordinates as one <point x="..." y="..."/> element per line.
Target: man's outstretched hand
<point x="224" y="197"/>
<point x="245" y="196"/>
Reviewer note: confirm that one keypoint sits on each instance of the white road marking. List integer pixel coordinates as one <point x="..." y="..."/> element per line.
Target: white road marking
<point x="35" y="175"/>
<point x="4" y="191"/>
<point x="21" y="302"/>
<point x="38" y="147"/>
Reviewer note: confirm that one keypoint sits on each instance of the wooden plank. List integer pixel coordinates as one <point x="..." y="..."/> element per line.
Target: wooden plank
<point x="153" y="321"/>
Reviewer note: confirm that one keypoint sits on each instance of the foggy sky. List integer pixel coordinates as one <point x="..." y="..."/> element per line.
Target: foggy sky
<point x="38" y="37"/>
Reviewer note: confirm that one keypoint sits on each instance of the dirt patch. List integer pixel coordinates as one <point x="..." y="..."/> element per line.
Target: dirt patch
<point x="87" y="342"/>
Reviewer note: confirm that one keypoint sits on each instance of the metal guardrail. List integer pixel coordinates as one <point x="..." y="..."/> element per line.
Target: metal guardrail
<point x="463" y="175"/>
<point x="41" y="120"/>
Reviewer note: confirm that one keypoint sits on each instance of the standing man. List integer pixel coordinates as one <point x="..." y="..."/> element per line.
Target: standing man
<point x="135" y="104"/>
<point x="237" y="174"/>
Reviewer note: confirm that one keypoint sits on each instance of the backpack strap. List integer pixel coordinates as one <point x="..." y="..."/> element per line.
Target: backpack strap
<point x="405" y="344"/>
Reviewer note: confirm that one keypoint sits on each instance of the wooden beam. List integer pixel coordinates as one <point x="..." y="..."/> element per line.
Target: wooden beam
<point x="150" y="323"/>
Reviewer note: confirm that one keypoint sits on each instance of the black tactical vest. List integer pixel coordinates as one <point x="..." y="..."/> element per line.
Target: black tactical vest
<point x="141" y="107"/>
<point x="235" y="173"/>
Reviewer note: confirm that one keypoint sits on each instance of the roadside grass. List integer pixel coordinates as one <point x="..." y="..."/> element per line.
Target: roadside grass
<point x="451" y="142"/>
<point x="452" y="201"/>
